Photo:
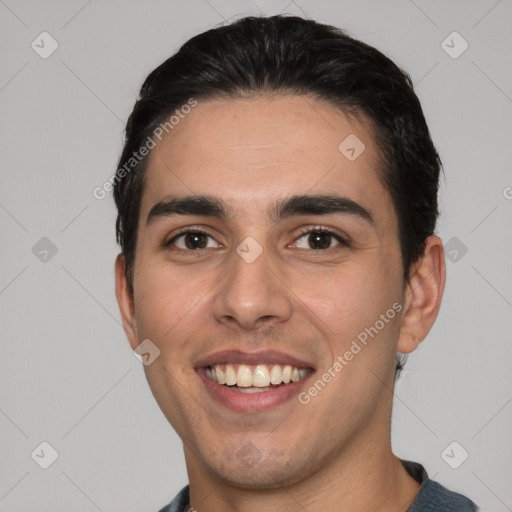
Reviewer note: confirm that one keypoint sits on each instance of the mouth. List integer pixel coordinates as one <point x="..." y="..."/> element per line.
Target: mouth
<point x="259" y="378"/>
<point x="242" y="383"/>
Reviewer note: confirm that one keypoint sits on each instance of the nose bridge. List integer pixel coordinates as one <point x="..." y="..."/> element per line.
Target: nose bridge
<point x="252" y="293"/>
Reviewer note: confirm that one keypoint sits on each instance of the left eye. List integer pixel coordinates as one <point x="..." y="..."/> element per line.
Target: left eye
<point x="318" y="240"/>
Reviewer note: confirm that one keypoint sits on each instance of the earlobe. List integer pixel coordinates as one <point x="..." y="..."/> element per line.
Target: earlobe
<point x="125" y="302"/>
<point x="423" y="296"/>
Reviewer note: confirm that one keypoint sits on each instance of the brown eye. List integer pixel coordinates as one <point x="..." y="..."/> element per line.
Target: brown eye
<point x="195" y="240"/>
<point x="319" y="240"/>
<point x="192" y="240"/>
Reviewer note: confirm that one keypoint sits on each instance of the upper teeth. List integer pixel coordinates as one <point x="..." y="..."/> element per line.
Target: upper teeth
<point x="259" y="376"/>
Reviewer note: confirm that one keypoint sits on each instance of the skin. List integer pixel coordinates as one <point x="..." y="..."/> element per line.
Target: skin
<point x="334" y="452"/>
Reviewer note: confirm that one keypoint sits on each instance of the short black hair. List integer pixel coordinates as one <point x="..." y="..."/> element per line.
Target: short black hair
<point x="291" y="55"/>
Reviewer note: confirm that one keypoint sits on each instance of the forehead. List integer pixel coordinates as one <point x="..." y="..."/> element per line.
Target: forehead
<point x="256" y="150"/>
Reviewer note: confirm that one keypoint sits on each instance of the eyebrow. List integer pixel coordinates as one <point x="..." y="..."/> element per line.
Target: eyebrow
<point x="211" y="206"/>
<point x="319" y="205"/>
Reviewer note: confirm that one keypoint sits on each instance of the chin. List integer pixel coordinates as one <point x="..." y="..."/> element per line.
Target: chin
<point x="250" y="468"/>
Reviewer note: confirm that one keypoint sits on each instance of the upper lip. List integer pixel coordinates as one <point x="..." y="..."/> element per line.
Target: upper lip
<point x="251" y="358"/>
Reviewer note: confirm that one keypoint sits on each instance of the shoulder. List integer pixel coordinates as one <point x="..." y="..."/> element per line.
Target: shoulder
<point x="179" y="503"/>
<point x="433" y="497"/>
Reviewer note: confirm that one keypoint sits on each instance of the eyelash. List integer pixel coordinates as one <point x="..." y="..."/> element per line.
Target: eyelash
<point x="326" y="231"/>
<point x="317" y="229"/>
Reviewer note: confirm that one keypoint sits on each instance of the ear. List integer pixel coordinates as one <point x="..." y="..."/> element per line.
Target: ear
<point x="423" y="295"/>
<point x="125" y="302"/>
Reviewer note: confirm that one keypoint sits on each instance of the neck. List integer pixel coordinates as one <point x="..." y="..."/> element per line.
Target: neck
<point x="367" y="476"/>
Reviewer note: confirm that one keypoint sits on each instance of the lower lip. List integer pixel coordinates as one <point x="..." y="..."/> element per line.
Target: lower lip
<point x="251" y="402"/>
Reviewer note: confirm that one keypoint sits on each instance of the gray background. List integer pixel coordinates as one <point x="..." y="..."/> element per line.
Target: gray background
<point x="68" y="376"/>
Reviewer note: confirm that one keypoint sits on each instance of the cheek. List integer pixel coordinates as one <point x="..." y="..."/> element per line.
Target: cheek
<point x="168" y="306"/>
<point x="347" y="297"/>
<point x="167" y="303"/>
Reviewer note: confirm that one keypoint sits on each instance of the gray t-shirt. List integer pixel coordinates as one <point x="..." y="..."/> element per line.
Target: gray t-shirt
<point x="432" y="497"/>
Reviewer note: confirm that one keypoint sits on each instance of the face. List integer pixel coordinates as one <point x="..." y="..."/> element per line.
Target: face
<point x="291" y="259"/>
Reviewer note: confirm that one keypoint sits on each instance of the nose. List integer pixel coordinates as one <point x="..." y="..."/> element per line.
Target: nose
<point x="252" y="295"/>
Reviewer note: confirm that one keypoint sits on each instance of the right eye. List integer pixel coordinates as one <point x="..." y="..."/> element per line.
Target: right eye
<point x="192" y="240"/>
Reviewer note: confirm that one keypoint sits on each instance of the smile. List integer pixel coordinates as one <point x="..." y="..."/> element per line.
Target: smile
<point x="254" y="378"/>
<point x="251" y="382"/>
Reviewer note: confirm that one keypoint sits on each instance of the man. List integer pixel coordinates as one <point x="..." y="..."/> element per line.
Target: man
<point x="277" y="200"/>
